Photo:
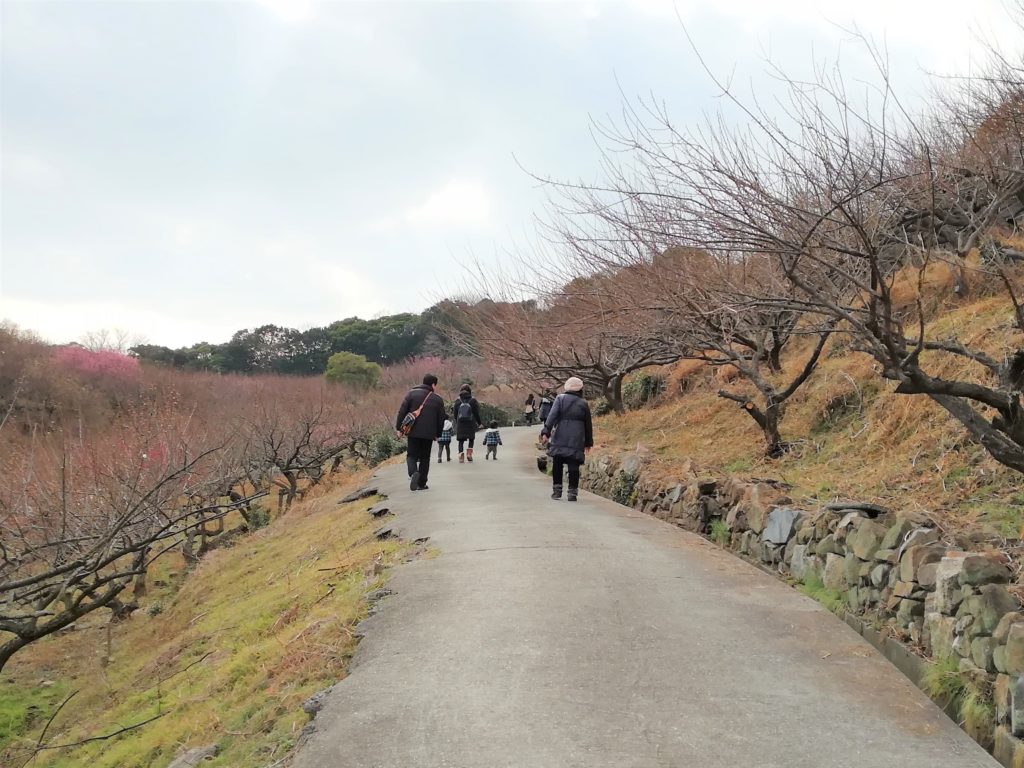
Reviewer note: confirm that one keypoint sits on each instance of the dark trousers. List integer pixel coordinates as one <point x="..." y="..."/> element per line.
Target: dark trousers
<point x="444" y="448"/>
<point x="417" y="457"/>
<point x="471" y="439"/>
<point x="492" y="450"/>
<point x="557" y="465"/>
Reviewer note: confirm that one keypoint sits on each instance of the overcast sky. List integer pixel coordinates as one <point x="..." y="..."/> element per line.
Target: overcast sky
<point x="185" y="169"/>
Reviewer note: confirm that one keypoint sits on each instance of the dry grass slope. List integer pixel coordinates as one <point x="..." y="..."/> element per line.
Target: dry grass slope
<point x="229" y="658"/>
<point x="853" y="437"/>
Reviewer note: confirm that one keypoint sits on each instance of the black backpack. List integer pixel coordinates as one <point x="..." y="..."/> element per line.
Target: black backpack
<point x="465" y="412"/>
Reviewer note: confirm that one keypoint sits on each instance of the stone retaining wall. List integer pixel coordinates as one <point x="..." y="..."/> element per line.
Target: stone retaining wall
<point x="896" y="571"/>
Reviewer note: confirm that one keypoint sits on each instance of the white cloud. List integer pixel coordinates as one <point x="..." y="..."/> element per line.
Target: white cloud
<point x="66" y="321"/>
<point x="290" y="11"/>
<point x="30" y="169"/>
<point x="456" y="203"/>
<point x="941" y="34"/>
<point x="184" y="234"/>
<point x="345" y="289"/>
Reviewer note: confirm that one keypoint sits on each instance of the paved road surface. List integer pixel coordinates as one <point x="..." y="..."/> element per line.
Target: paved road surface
<point x="547" y="635"/>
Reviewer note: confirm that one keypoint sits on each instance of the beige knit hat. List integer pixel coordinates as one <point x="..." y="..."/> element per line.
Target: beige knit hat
<point x="574" y="384"/>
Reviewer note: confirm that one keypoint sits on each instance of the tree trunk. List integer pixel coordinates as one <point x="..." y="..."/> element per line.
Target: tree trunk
<point x="999" y="445"/>
<point x="613" y="393"/>
<point x="961" y="286"/>
<point x="287" y="490"/>
<point x="140" y="588"/>
<point x="10" y="648"/>
<point x="768" y="420"/>
<point x="188" y="551"/>
<point x="775" y="447"/>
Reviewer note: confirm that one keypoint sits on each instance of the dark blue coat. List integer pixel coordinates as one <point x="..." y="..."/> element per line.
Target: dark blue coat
<point x="570" y="427"/>
<point x="545" y="407"/>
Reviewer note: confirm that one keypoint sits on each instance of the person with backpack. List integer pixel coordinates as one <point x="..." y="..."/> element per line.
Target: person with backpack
<point x="569" y="434"/>
<point x="444" y="442"/>
<point x="421" y="420"/>
<point x="492" y="439"/>
<point x="466" y="414"/>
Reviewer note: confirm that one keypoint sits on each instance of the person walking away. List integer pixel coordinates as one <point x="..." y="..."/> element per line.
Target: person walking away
<point x="529" y="410"/>
<point x="569" y="433"/>
<point x="545" y="406"/>
<point x="466" y="414"/>
<point x="492" y="439"/>
<point x="444" y="442"/>
<point x="421" y="420"/>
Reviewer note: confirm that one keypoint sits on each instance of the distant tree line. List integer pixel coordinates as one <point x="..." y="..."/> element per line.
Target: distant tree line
<point x="274" y="349"/>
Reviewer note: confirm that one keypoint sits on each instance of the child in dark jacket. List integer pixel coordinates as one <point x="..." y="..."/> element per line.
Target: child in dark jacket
<point x="492" y="439"/>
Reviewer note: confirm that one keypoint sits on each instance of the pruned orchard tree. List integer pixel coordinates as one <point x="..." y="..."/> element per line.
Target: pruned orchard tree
<point x="82" y="516"/>
<point x="713" y="312"/>
<point x="846" y="197"/>
<point x="578" y="331"/>
<point x="690" y="302"/>
<point x="294" y="431"/>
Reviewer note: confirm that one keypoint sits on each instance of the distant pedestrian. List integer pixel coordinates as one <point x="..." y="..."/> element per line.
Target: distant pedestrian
<point x="569" y="433"/>
<point x="492" y="439"/>
<point x="545" y="405"/>
<point x="444" y="442"/>
<point x="466" y="414"/>
<point x="530" y="410"/>
<point x="421" y="420"/>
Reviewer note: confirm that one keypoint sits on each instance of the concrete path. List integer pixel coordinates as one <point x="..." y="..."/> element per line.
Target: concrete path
<point x="546" y="634"/>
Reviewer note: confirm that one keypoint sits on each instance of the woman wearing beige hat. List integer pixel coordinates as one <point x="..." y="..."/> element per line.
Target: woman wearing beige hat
<point x="569" y="434"/>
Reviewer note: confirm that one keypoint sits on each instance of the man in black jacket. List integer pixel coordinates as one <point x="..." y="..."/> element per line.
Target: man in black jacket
<point x="425" y="430"/>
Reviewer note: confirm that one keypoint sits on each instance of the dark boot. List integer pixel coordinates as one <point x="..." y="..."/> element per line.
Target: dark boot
<point x="556" y="492"/>
<point x="573" y="493"/>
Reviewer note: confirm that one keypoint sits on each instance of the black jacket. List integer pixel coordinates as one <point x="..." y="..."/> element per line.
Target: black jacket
<point x="430" y="423"/>
<point x="463" y="429"/>
<point x="570" y="427"/>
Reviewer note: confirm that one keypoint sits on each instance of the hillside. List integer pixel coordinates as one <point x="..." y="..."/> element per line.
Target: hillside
<point x="221" y="655"/>
<point x="852" y="437"/>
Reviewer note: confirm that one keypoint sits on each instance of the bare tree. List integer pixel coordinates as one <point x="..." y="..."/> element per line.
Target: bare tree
<point x="82" y="517"/>
<point x="293" y="432"/>
<point x="827" y="200"/>
<point x="713" y="311"/>
<point x="688" y="302"/>
<point x="111" y="339"/>
<point x="579" y="331"/>
<point x="846" y="197"/>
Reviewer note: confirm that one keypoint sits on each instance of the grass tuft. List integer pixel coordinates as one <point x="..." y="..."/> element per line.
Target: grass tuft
<point x="815" y="588"/>
<point x="719" y="532"/>
<point x="625" y="484"/>
<point x="968" y="695"/>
